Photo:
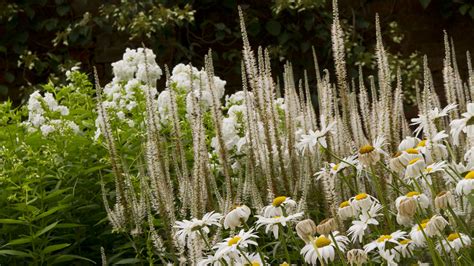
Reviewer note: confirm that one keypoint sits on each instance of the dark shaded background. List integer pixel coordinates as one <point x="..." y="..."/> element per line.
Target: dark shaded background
<point x="289" y="34"/>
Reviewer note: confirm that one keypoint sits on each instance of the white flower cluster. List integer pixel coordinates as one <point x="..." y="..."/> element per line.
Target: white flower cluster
<point x="134" y="74"/>
<point x="46" y="115"/>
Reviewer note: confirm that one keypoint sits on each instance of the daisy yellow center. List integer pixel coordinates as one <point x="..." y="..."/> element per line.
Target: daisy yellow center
<point x="412" y="193"/>
<point x="285" y="264"/>
<point x="276" y="217"/>
<point x="366" y="149"/>
<point x="413" y="161"/>
<point x="335" y="167"/>
<point x="361" y="196"/>
<point x="278" y="201"/>
<point x="405" y="241"/>
<point x="233" y="241"/>
<point x="384" y="238"/>
<point x="469" y="175"/>
<point x="412" y="151"/>
<point x="255" y="263"/>
<point x="322" y="241"/>
<point x="344" y="204"/>
<point x="453" y="236"/>
<point x="422" y="143"/>
<point x="429" y="169"/>
<point x="422" y="226"/>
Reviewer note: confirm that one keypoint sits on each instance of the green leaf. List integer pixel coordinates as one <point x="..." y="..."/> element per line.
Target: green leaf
<point x="273" y="27"/>
<point x="425" y="3"/>
<point x="62" y="10"/>
<point x="46" y="229"/>
<point x="53" y="248"/>
<point x="12" y="221"/>
<point x="64" y="258"/>
<point x="14" y="253"/>
<point x="20" y="241"/>
<point x="463" y="9"/>
<point x="69" y="225"/>
<point x="50" y="211"/>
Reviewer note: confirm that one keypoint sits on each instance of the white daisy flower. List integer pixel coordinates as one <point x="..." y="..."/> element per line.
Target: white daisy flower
<point x="454" y="241"/>
<point x="380" y="242"/>
<point x="310" y="140"/>
<point x="345" y="210"/>
<point x="405" y="248"/>
<point x="323" y="248"/>
<point x="275" y="209"/>
<point x="272" y="224"/>
<point x="421" y="199"/>
<point x="362" y="201"/>
<point x="408" y="143"/>
<point x="463" y="124"/>
<point x="434" y="146"/>
<point x="466" y="185"/>
<point x="236" y="217"/>
<point x="435" y="167"/>
<point x="231" y="245"/>
<point x="191" y="229"/>
<point x="358" y="227"/>
<point x="415" y="167"/>
<point x="422" y="121"/>
<point x="346" y="162"/>
<point x="370" y="154"/>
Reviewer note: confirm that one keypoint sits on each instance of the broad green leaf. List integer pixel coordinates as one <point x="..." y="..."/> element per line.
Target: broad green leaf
<point x="12" y="221"/>
<point x="46" y="229"/>
<point x="64" y="258"/>
<point x="53" y="248"/>
<point x="20" y="241"/>
<point x="50" y="211"/>
<point x="14" y="253"/>
<point x="56" y="193"/>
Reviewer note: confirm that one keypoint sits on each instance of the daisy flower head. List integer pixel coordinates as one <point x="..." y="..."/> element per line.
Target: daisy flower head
<point x="382" y="240"/>
<point x="464" y="124"/>
<point x="408" y="143"/>
<point x="423" y="120"/>
<point x="434" y="168"/>
<point x="362" y="201"/>
<point x="421" y="199"/>
<point x="345" y="210"/>
<point x="236" y="217"/>
<point x="345" y="162"/>
<point x="313" y="138"/>
<point x="415" y="167"/>
<point x="466" y="185"/>
<point x="191" y="229"/>
<point x="323" y="248"/>
<point x="405" y="248"/>
<point x="370" y="154"/>
<point x="272" y="224"/>
<point x="358" y="228"/>
<point x="455" y="241"/>
<point x="275" y="209"/>
<point x="231" y="245"/>
<point x="418" y="232"/>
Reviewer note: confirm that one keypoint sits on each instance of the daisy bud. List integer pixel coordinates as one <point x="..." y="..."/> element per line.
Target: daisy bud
<point x="444" y="199"/>
<point x="404" y="220"/>
<point x="407" y="207"/>
<point x="466" y="185"/>
<point x="306" y="229"/>
<point x="357" y="257"/>
<point x="326" y="226"/>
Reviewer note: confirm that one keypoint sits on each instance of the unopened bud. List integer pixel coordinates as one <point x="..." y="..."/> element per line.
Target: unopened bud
<point x="356" y="257"/>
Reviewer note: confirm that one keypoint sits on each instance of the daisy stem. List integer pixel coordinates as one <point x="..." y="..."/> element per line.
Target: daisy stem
<point x="205" y="239"/>
<point x="380" y="195"/>
<point x="259" y="251"/>
<point x="245" y="256"/>
<point x="338" y="250"/>
<point x="283" y="242"/>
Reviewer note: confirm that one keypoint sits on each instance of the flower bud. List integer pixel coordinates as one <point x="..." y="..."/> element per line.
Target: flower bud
<point x="236" y="217"/>
<point x="444" y="199"/>
<point x="436" y="225"/>
<point x="306" y="229"/>
<point x="356" y="257"/>
<point x="407" y="207"/>
<point x="326" y="226"/>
